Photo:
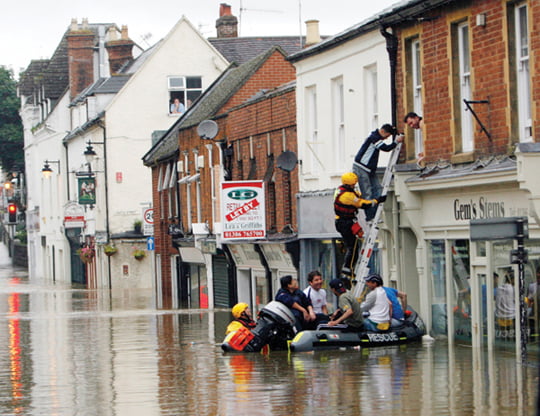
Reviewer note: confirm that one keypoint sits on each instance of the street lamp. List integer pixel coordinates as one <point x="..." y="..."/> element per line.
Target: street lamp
<point x="89" y="153"/>
<point x="47" y="171"/>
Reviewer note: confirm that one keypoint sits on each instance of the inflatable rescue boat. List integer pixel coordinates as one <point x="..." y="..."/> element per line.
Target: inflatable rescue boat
<point x="275" y="330"/>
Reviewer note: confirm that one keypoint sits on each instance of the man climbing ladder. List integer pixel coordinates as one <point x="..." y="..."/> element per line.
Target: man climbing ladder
<point x="347" y="202"/>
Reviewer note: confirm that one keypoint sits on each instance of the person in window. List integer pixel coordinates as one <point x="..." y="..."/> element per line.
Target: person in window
<point x="177" y="107"/>
<point x="366" y="161"/>
<point x="413" y="120"/>
<point x="505" y="307"/>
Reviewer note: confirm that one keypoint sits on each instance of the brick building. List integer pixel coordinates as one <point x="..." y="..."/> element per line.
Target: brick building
<point x="470" y="69"/>
<point x="251" y="113"/>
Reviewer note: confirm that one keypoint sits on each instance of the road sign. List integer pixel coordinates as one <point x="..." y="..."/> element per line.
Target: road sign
<point x="150" y="244"/>
<point x="148" y="223"/>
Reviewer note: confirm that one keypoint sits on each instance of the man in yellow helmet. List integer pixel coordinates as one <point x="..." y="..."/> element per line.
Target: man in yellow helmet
<point x="347" y="202"/>
<point x="242" y="318"/>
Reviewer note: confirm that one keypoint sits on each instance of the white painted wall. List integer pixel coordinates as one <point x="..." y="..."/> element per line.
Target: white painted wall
<point x="141" y="107"/>
<point x="349" y="61"/>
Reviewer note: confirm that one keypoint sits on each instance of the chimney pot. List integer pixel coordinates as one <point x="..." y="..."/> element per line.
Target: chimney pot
<point x="74" y="25"/>
<point x="312" y="32"/>
<point x="224" y="10"/>
<point x="125" y="32"/>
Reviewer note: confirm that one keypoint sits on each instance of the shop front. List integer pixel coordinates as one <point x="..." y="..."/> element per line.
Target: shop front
<point x="469" y="290"/>
<point x="252" y="278"/>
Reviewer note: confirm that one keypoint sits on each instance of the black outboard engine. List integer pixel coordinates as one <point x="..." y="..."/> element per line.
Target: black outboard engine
<point x="275" y="326"/>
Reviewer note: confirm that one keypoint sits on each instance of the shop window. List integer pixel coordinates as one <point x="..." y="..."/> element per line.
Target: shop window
<point x="461" y="289"/>
<point x="183" y="91"/>
<point x="438" y="287"/>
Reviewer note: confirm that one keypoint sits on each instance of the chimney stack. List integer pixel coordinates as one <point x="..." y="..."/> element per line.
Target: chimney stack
<point x="227" y="24"/>
<point x="312" y="32"/>
<point x="120" y="50"/>
<point x="80" y="48"/>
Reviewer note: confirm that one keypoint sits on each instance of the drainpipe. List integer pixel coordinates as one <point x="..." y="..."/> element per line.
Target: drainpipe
<point x="107" y="229"/>
<point x="392" y="49"/>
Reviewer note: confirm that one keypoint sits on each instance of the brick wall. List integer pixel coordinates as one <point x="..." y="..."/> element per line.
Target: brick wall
<point x="490" y="78"/>
<point x="80" y="60"/>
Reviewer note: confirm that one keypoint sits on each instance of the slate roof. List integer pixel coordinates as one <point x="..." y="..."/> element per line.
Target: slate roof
<point x="444" y="170"/>
<point x="207" y="105"/>
<point x="51" y="74"/>
<point x="398" y="13"/>
<point x="241" y="50"/>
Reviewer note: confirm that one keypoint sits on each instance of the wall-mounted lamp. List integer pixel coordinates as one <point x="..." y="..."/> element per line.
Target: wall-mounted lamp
<point x="47" y="171"/>
<point x="89" y="153"/>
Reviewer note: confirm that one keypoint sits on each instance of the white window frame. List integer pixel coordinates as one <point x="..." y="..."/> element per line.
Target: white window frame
<point x="523" y="72"/>
<point x="371" y="96"/>
<point x="338" y="107"/>
<point x="467" y="136"/>
<point x="182" y="89"/>
<point x="416" y="67"/>
<point x="312" y="136"/>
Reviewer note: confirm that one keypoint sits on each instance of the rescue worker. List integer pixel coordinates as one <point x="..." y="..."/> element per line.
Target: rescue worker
<point x="347" y="201"/>
<point x="242" y="318"/>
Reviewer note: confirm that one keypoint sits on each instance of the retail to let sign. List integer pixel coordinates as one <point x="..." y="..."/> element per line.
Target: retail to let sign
<point x="244" y="210"/>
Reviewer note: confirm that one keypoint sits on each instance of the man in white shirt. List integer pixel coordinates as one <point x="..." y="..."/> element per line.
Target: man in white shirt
<point x="377" y="304"/>
<point x="316" y="293"/>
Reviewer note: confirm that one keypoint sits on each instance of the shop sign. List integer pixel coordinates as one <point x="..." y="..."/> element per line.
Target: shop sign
<point x="244" y="211"/>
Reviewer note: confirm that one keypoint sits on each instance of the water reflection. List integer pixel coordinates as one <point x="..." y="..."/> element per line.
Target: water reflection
<point x="66" y="351"/>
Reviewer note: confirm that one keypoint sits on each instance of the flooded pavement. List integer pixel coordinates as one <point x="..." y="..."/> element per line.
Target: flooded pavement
<point x="69" y="351"/>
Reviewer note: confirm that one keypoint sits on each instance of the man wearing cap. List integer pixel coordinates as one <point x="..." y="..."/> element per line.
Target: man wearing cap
<point x="349" y="312"/>
<point x="242" y="318"/>
<point x="377" y="304"/>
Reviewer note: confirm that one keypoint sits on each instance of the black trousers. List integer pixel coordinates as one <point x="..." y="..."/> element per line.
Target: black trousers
<point x="343" y="226"/>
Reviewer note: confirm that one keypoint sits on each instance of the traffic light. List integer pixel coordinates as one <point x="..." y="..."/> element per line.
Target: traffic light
<point x="12" y="213"/>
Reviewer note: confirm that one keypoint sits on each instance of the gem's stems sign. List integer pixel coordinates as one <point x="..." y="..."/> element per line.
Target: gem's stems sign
<point x="243" y="207"/>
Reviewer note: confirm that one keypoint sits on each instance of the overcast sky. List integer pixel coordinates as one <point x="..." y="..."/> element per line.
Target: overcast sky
<point x="32" y="29"/>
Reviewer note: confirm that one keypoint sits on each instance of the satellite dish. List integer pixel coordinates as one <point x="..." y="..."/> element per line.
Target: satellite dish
<point x="287" y="161"/>
<point x="207" y="129"/>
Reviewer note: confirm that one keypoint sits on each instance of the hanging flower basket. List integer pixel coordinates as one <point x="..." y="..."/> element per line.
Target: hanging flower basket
<point x="110" y="250"/>
<point x="139" y="254"/>
<point x="86" y="254"/>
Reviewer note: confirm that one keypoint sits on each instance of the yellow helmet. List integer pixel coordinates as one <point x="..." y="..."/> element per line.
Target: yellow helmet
<point x="349" y="178"/>
<point x="238" y="309"/>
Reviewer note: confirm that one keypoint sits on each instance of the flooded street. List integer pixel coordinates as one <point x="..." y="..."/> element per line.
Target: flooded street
<point x="69" y="351"/>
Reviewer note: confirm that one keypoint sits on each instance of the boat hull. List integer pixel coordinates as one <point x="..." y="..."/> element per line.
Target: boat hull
<point x="329" y="338"/>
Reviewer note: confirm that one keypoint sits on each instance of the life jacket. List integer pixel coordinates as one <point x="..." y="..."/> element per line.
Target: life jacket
<point x="342" y="210"/>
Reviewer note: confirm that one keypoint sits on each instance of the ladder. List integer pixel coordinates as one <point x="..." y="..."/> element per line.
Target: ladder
<point x="370" y="236"/>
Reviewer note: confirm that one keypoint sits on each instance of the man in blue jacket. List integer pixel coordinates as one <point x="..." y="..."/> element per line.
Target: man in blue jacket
<point x="366" y="161"/>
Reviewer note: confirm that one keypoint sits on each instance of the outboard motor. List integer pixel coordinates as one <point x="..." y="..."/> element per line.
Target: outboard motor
<point x="275" y="326"/>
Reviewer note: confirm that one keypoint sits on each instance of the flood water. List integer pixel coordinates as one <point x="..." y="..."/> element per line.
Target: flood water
<point x="69" y="351"/>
